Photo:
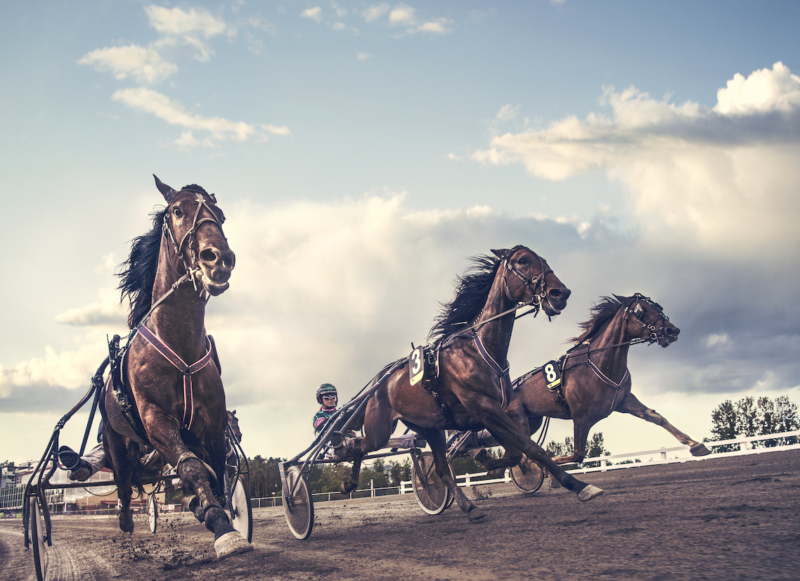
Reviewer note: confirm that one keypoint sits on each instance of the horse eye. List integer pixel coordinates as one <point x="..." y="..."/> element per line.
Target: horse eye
<point x="177" y="212"/>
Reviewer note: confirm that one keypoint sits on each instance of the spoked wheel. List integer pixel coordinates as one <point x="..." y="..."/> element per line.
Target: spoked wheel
<point x="152" y="513"/>
<point x="299" y="508"/>
<point x="430" y="491"/>
<point x="38" y="540"/>
<point x="527" y="476"/>
<point x="241" y="511"/>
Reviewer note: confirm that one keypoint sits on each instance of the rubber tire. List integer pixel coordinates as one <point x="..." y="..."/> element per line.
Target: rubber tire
<point x="301" y="518"/>
<point x="528" y="479"/>
<point x="437" y="502"/>
<point x="241" y="511"/>
<point x="152" y="513"/>
<point x="37" y="540"/>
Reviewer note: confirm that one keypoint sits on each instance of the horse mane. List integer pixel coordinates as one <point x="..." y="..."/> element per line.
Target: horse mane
<point x="138" y="272"/>
<point x="194" y="188"/>
<point x="472" y="290"/>
<point x="600" y="314"/>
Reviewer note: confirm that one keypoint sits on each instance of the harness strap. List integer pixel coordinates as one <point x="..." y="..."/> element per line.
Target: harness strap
<point x="180" y="365"/>
<point x="505" y="380"/>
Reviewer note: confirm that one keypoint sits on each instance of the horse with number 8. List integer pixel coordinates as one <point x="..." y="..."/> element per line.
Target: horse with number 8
<point x="591" y="381"/>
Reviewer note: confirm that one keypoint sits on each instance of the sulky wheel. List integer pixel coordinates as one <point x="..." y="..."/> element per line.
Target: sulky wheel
<point x="38" y="540"/>
<point x="241" y="511"/>
<point x="431" y="493"/>
<point x="152" y="513"/>
<point x="527" y="476"/>
<point x="299" y="508"/>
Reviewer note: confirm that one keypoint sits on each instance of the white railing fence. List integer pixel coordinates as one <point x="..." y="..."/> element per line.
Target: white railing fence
<point x="677" y="454"/>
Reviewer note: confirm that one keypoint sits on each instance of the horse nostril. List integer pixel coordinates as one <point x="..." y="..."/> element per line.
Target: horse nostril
<point x="559" y="294"/>
<point x="229" y="259"/>
<point x="673" y="331"/>
<point x="208" y="255"/>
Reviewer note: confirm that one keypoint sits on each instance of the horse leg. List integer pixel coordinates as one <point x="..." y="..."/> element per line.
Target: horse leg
<point x="164" y="434"/>
<point x="508" y="434"/>
<point x="631" y="405"/>
<point x="351" y="484"/>
<point x="437" y="442"/>
<point x="123" y="466"/>
<point x="378" y="427"/>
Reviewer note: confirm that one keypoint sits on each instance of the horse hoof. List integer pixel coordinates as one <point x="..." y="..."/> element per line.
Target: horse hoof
<point x="699" y="450"/>
<point x="125" y="524"/>
<point x="230" y="544"/>
<point x="589" y="493"/>
<point x="476" y="514"/>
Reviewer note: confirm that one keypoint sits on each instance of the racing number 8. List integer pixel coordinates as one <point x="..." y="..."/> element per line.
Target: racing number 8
<point x="550" y="373"/>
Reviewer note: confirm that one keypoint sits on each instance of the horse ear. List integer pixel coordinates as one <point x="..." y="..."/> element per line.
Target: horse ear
<point x="165" y="190"/>
<point x="502" y="254"/>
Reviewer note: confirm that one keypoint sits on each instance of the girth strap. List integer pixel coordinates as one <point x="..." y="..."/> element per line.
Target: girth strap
<point x="180" y="365"/>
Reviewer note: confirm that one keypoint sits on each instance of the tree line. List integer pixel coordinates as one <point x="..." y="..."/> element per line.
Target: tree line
<point x="754" y="417"/>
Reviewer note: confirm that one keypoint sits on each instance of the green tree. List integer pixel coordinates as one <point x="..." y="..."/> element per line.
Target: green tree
<point x="751" y="417"/>
<point x="378" y="475"/>
<point x="724" y="425"/>
<point x="399" y="472"/>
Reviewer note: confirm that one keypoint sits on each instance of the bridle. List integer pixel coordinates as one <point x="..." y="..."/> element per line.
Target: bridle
<point x="533" y="284"/>
<point x="191" y="234"/>
<point x="638" y="312"/>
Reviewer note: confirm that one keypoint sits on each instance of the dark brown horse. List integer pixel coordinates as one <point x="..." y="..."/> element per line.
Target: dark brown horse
<point x="468" y="387"/>
<point x="595" y="381"/>
<point x="171" y="399"/>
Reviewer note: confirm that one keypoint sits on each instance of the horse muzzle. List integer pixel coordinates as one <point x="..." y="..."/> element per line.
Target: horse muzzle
<point x="215" y="268"/>
<point x="555" y="301"/>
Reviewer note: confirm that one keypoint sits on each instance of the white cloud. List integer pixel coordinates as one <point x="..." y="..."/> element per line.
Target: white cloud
<point x="142" y="63"/>
<point x="282" y="130"/>
<point x="174" y="113"/>
<point x="107" y="310"/>
<point x="363" y="56"/>
<point x="714" y="340"/>
<point x="702" y="173"/>
<point x="68" y="369"/>
<point x="507" y="113"/>
<point x="187" y="140"/>
<point x="763" y="91"/>
<point x="338" y="26"/>
<point x="312" y="13"/>
<point x="178" y="22"/>
<point x="437" y="26"/>
<point x="402" y="14"/>
<point x="372" y="13"/>
<point x="204" y="52"/>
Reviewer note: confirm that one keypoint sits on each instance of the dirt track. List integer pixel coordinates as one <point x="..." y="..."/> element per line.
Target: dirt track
<point x="733" y="518"/>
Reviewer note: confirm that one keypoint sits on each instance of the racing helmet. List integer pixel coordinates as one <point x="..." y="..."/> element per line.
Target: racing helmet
<point x="326" y="389"/>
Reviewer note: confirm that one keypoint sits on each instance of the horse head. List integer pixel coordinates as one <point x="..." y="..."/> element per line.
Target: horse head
<point x="535" y="282"/>
<point x="193" y="223"/>
<point x="648" y="320"/>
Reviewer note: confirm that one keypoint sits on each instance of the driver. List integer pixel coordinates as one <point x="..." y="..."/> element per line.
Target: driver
<point x="328" y="398"/>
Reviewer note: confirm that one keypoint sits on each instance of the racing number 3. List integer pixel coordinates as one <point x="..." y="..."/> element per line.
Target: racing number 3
<point x="416" y="366"/>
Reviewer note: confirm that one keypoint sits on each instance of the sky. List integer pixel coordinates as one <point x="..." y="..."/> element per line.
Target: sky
<point x="362" y="152"/>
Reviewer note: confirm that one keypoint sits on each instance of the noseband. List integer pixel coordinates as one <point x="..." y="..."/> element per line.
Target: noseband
<point x="192" y="266"/>
<point x="638" y="312"/>
<point x="532" y="284"/>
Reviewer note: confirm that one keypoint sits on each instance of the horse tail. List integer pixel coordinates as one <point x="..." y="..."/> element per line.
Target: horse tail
<point x="134" y="453"/>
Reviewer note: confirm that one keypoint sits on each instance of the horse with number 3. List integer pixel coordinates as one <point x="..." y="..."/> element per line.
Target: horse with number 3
<point x="464" y="383"/>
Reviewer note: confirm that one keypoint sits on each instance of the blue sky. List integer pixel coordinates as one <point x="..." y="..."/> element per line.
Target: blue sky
<point x="362" y="151"/>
